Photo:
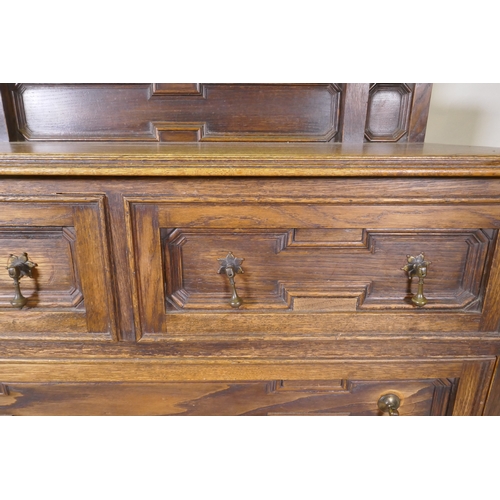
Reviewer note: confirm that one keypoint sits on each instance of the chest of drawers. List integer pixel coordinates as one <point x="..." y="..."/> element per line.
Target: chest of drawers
<point x="136" y="305"/>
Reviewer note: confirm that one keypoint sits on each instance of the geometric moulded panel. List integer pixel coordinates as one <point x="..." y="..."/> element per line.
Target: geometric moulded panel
<point x="388" y="113"/>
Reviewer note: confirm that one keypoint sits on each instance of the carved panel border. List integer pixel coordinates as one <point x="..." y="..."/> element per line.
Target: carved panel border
<point x="177" y="112"/>
<point x="334" y="293"/>
<point x="381" y="116"/>
<point x="72" y="297"/>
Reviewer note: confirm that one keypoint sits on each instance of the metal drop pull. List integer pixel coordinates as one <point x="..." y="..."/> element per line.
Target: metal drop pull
<point x="417" y="266"/>
<point x="19" y="267"/>
<point x="231" y="266"/>
<point x="389" y="403"/>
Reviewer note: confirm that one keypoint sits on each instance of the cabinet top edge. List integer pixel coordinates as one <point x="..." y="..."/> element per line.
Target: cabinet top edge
<point x="240" y="159"/>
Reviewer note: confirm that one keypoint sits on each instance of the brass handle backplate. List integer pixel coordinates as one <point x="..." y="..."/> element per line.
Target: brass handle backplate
<point x="231" y="266"/>
<point x="19" y="267"/>
<point x="389" y="403"/>
<point x="417" y="266"/>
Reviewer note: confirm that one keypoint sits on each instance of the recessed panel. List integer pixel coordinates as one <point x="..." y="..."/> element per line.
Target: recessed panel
<point x="55" y="281"/>
<point x="320" y="271"/>
<point x="167" y="112"/>
<point x="69" y="294"/>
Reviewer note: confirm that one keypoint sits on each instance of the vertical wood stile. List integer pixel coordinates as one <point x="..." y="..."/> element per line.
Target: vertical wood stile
<point x="419" y="112"/>
<point x="491" y="312"/>
<point x="91" y="256"/>
<point x="473" y="387"/>
<point x="354" y="110"/>
<point x="147" y="248"/>
<point x="4" y="134"/>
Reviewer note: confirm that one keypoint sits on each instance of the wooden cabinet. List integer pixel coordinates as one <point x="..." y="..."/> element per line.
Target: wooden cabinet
<point x="129" y="307"/>
<point x="128" y="314"/>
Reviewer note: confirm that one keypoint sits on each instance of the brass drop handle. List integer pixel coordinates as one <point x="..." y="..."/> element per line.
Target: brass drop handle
<point x="389" y="403"/>
<point x="231" y="266"/>
<point x="19" y="267"/>
<point x="417" y="266"/>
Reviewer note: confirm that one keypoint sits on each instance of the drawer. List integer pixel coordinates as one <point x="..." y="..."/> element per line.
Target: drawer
<point x="311" y="268"/>
<point x="277" y="397"/>
<point x="70" y="293"/>
<point x="102" y="384"/>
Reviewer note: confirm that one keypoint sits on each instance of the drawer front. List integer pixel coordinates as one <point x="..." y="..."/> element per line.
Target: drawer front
<point x="167" y="386"/>
<point x="311" y="268"/>
<point x="70" y="292"/>
<point x="277" y="397"/>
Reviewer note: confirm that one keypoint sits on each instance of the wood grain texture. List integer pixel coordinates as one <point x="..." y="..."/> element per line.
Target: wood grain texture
<point x="420" y="106"/>
<point x="321" y="268"/>
<point x="8" y="124"/>
<point x="245" y="346"/>
<point x="354" y="111"/>
<point x="491" y="318"/>
<point x="55" y="281"/>
<point x="148" y="270"/>
<point x="276" y="397"/>
<point x="493" y="402"/>
<point x="93" y="258"/>
<point x="322" y="228"/>
<point x="388" y="113"/>
<point x="473" y="387"/>
<point x="165" y="112"/>
<point x="72" y="282"/>
<point x="131" y="112"/>
<point x="240" y="159"/>
<point x="177" y="369"/>
<point x="232" y="214"/>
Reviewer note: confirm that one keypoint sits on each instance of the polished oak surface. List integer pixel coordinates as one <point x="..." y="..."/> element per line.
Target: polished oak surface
<point x="126" y="312"/>
<point x="201" y="112"/>
<point x="268" y="160"/>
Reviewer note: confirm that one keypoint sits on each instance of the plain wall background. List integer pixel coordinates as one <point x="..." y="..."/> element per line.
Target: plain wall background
<point x="464" y="113"/>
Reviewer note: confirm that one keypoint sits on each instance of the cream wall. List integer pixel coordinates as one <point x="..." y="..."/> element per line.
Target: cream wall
<point x="465" y="113"/>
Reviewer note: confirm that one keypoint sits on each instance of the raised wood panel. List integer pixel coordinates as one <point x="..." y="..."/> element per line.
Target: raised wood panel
<point x="337" y="283"/>
<point x="389" y="108"/>
<point x="193" y="112"/>
<point x="71" y="293"/>
<point x="277" y="397"/>
<point x="146" y="112"/>
<point x="161" y="89"/>
<point x="56" y="280"/>
<point x="278" y="270"/>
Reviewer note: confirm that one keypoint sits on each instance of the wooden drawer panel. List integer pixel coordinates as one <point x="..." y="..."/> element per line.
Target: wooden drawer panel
<point x="241" y="386"/>
<point x="70" y="293"/>
<point x="306" y="270"/>
<point x="277" y="397"/>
